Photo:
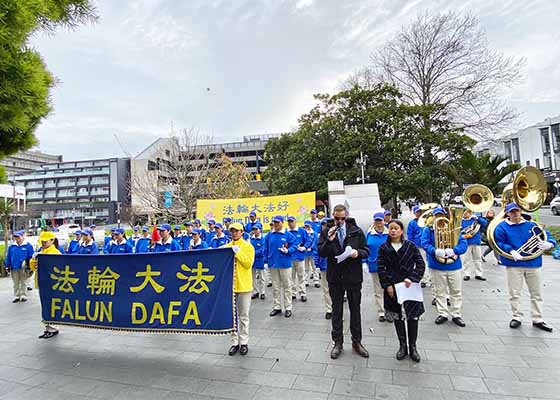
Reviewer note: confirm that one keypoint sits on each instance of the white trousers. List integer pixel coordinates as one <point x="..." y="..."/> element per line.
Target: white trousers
<point x="444" y="283"/>
<point x="533" y="277"/>
<point x="259" y="280"/>
<point x="298" y="278"/>
<point x="326" y="295"/>
<point x="310" y="272"/>
<point x="378" y="294"/>
<point x="241" y="336"/>
<point x="18" y="279"/>
<point x="281" y="280"/>
<point x="426" y="277"/>
<point x="472" y="261"/>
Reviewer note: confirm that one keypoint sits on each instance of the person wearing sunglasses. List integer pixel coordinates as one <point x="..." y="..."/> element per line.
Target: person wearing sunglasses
<point x="344" y="246"/>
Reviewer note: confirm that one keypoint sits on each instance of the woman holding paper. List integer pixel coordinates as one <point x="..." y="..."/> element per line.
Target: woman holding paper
<point x="399" y="263"/>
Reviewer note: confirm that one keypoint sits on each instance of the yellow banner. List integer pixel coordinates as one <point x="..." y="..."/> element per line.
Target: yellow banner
<point x="298" y="205"/>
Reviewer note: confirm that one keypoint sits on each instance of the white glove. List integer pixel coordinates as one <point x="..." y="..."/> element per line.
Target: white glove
<point x="266" y="266"/>
<point x="283" y="250"/>
<point x="301" y="248"/>
<point x="235" y="249"/>
<point x="440" y="253"/>
<point x="516" y="256"/>
<point x="449" y="253"/>
<point x="545" y="245"/>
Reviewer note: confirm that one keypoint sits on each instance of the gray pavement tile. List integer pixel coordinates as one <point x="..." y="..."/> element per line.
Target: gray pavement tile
<point x="273" y="379"/>
<point x="354" y="388"/>
<point x="321" y="384"/>
<point x="295" y="367"/>
<point x="190" y="396"/>
<point x="348" y="357"/>
<point x="447" y="368"/>
<point x="180" y="384"/>
<point x="512" y="349"/>
<point x="498" y="372"/>
<point x="507" y="360"/>
<point x="231" y="390"/>
<point x="439" y="355"/>
<point x="417" y="393"/>
<point x="550" y="375"/>
<point x="140" y="393"/>
<point x="107" y="390"/>
<point x="372" y="375"/>
<point x="291" y="354"/>
<point x="258" y="364"/>
<point x="12" y="389"/>
<point x="528" y="389"/>
<point x="339" y="371"/>
<point x="269" y="393"/>
<point x="457" y="395"/>
<point x="480" y="339"/>
<point x="540" y="362"/>
<point x="468" y="384"/>
<point x="392" y="392"/>
<point x="419" y="379"/>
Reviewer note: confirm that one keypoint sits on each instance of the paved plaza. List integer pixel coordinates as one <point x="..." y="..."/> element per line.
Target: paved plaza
<point x="289" y="358"/>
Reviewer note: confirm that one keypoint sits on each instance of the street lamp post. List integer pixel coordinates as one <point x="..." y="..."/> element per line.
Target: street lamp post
<point x="362" y="161"/>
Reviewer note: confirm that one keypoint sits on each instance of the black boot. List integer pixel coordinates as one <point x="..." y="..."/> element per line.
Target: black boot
<point x="401" y="334"/>
<point x="412" y="335"/>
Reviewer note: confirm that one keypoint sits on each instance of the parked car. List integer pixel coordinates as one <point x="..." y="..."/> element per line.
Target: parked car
<point x="555" y="206"/>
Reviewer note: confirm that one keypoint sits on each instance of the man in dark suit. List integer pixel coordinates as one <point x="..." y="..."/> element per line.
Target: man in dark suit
<point x="344" y="275"/>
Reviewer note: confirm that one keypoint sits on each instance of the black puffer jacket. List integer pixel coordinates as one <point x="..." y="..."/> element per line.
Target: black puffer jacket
<point x="349" y="272"/>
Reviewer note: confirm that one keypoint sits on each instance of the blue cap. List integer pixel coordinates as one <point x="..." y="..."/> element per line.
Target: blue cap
<point x="278" y="218"/>
<point x="378" y="215"/>
<point x="291" y="218"/>
<point x="438" y="210"/>
<point x="387" y="212"/>
<point x="252" y="214"/>
<point x="164" y="227"/>
<point x="145" y="229"/>
<point x="113" y="230"/>
<point x="218" y="225"/>
<point x="196" y="231"/>
<point x="77" y="232"/>
<point x="92" y="226"/>
<point x="257" y="225"/>
<point x="177" y="227"/>
<point x="88" y="232"/>
<point x="227" y="219"/>
<point x="313" y="211"/>
<point x="119" y="231"/>
<point x="188" y="223"/>
<point x="197" y="221"/>
<point x="211" y="221"/>
<point x="18" y="233"/>
<point x="415" y="209"/>
<point x="307" y="222"/>
<point x="511" y="207"/>
<point x="135" y="229"/>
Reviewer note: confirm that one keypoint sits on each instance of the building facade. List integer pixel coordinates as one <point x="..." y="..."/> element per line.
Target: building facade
<point x="27" y="161"/>
<point x="83" y="192"/>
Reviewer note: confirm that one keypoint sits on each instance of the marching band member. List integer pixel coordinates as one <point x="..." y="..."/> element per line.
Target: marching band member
<point x="472" y="258"/>
<point x="242" y="287"/>
<point x="266" y="267"/>
<point x="177" y="235"/>
<point x="107" y="240"/>
<point x="74" y="243"/>
<point x="298" y="258"/>
<point x="197" y="243"/>
<point x="446" y="278"/>
<point x="252" y="221"/>
<point x="88" y="245"/>
<point x="227" y="222"/>
<point x="197" y="225"/>
<point x="400" y="261"/>
<point x="167" y="243"/>
<point x="510" y="235"/>
<point x="414" y="234"/>
<point x="259" y="281"/>
<point x="187" y="237"/>
<point x="134" y="238"/>
<point x="219" y="239"/>
<point x="316" y="223"/>
<point x="17" y="259"/>
<point x="211" y="231"/>
<point x="377" y="235"/>
<point x="321" y="264"/>
<point x="310" y="273"/>
<point x="280" y="245"/>
<point x="143" y="244"/>
<point x="387" y="216"/>
<point x="119" y="244"/>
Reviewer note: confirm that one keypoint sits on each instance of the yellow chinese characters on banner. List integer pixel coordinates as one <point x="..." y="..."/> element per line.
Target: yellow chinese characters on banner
<point x="298" y="205"/>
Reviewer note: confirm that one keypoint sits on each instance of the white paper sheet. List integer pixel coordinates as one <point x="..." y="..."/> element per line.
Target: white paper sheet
<point x="414" y="292"/>
<point x="341" y="257"/>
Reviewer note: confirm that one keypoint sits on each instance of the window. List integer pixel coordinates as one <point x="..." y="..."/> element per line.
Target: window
<point x="515" y="150"/>
<point x="556" y="137"/>
<point x="528" y="162"/>
<point x="545" y="140"/>
<point x="537" y="163"/>
<point x="507" y="150"/>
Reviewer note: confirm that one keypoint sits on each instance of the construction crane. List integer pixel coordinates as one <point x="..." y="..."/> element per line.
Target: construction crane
<point x="124" y="150"/>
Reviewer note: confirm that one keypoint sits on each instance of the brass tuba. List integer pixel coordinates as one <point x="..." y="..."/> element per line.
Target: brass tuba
<point x="427" y="217"/>
<point x="528" y="190"/>
<point x="447" y="232"/>
<point x="477" y="198"/>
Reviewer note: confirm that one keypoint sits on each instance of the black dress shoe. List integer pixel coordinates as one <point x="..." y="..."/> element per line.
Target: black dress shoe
<point x="381" y="318"/>
<point x="288" y="313"/>
<point x="262" y="296"/>
<point x="448" y="302"/>
<point x="328" y="315"/>
<point x="336" y="350"/>
<point x="293" y="297"/>
<point x="359" y="349"/>
<point x="433" y="302"/>
<point x="317" y="285"/>
<point x="16" y="300"/>
<point x="542" y="326"/>
<point x="458" y="321"/>
<point x="307" y="285"/>
<point x="514" y="324"/>
<point x="254" y="296"/>
<point x="422" y="285"/>
<point x="275" y="312"/>
<point x="233" y="350"/>
<point x="466" y="278"/>
<point x="480" y="278"/>
<point x="440" y="320"/>
<point x="414" y="356"/>
<point x="303" y="298"/>
<point x="269" y="285"/>
<point x="23" y="300"/>
<point x="244" y="349"/>
<point x="29" y="288"/>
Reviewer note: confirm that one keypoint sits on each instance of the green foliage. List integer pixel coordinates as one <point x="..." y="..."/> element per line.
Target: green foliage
<point x="486" y="170"/>
<point x="24" y="79"/>
<point x="3" y="177"/>
<point x="403" y="157"/>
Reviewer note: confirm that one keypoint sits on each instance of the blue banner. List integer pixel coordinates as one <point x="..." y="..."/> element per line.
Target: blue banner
<point x="176" y="292"/>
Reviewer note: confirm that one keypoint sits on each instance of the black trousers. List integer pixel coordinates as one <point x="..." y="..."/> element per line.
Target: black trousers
<point x="354" y="295"/>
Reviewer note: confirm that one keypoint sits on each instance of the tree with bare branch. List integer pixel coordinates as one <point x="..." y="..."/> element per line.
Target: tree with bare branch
<point x="445" y="59"/>
<point x="229" y="180"/>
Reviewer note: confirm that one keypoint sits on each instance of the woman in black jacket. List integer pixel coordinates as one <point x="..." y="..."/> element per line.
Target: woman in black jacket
<point x="399" y="260"/>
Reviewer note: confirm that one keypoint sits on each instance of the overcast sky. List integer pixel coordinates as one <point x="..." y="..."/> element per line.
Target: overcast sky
<point x="149" y="64"/>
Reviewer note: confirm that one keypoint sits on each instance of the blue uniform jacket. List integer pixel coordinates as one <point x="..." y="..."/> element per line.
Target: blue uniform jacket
<point x="316" y="225"/>
<point x="119" y="248"/>
<point x="186" y="241"/>
<point x="428" y="244"/>
<point x="201" y="246"/>
<point x="311" y="244"/>
<point x="142" y="245"/>
<point x="476" y="239"/>
<point x="209" y="236"/>
<point x="218" y="241"/>
<point x="258" y="245"/>
<point x="276" y="258"/>
<point x="170" y="245"/>
<point x="132" y="241"/>
<point x="300" y="237"/>
<point x="88" y="249"/>
<point x="414" y="232"/>
<point x="17" y="255"/>
<point x="512" y="236"/>
<point x="73" y="246"/>
<point x="320" y="262"/>
<point x="374" y="240"/>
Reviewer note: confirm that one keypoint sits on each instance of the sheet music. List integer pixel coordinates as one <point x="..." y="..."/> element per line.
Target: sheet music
<point x="414" y="292"/>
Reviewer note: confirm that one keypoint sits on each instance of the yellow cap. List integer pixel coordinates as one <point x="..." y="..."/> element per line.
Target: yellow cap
<point x="44" y="236"/>
<point x="321" y="214"/>
<point x="237" y="226"/>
